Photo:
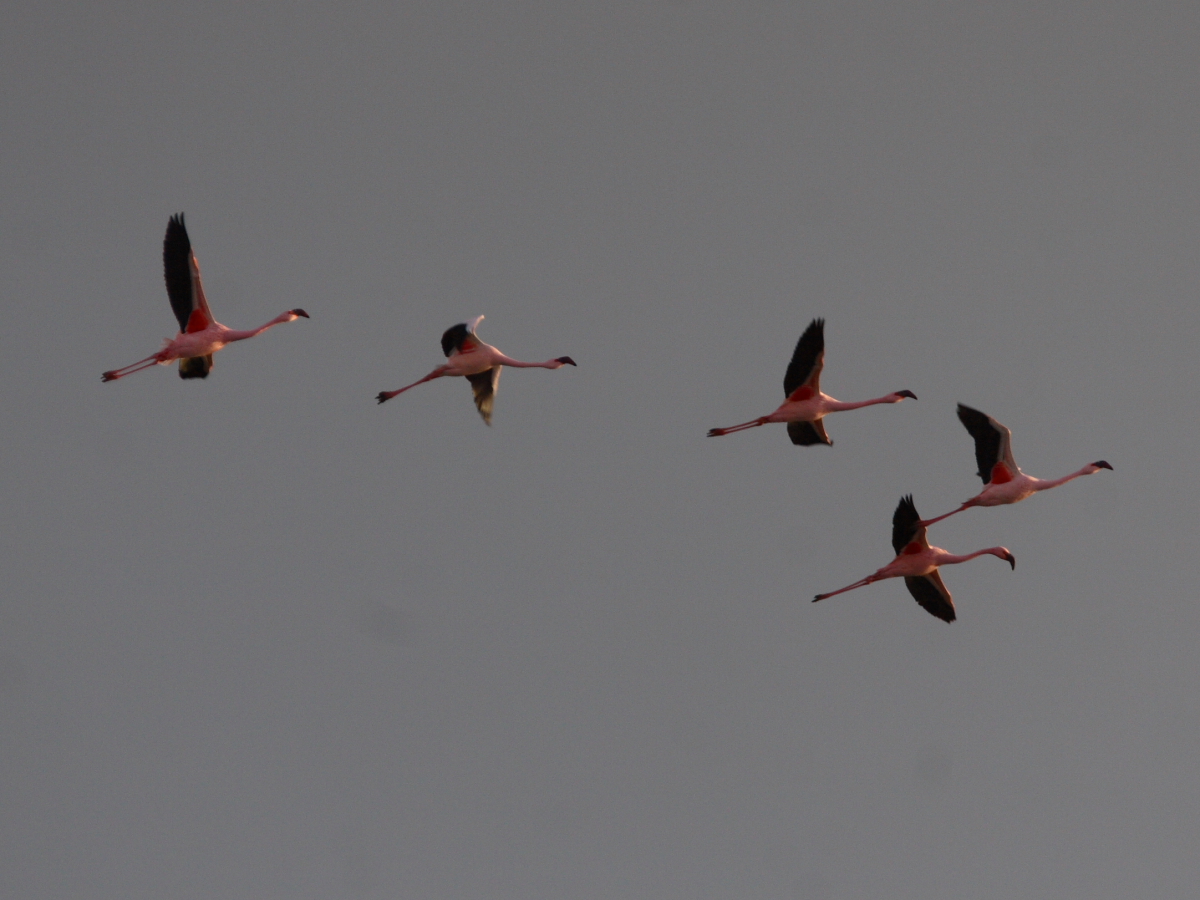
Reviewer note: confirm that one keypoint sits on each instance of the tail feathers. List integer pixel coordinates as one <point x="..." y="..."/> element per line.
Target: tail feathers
<point x="195" y="366"/>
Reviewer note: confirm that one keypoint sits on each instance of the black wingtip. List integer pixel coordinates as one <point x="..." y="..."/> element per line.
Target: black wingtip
<point x="299" y="312"/>
<point x="907" y="394"/>
<point x="1101" y="464"/>
<point x="566" y="360"/>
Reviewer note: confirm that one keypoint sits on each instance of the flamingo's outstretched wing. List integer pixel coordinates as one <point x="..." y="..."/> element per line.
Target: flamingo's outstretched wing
<point x="993" y="442"/>
<point x="195" y="366"/>
<point x="931" y="593"/>
<point x="906" y="526"/>
<point x="805" y="434"/>
<point x="453" y="337"/>
<point x="182" y="274"/>
<point x="186" y="292"/>
<point x="484" y="385"/>
<point x="461" y="338"/>
<point x="807" y="359"/>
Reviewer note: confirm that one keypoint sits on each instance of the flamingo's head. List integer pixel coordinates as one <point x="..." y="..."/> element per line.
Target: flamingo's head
<point x="1006" y="555"/>
<point x="906" y="394"/>
<point x="565" y="361"/>
<point x="297" y="313"/>
<point x="1100" y="464"/>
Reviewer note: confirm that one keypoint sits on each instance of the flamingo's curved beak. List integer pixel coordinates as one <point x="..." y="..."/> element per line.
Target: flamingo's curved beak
<point x="299" y="312"/>
<point x="1101" y="464"/>
<point x="907" y="394"/>
<point x="566" y="360"/>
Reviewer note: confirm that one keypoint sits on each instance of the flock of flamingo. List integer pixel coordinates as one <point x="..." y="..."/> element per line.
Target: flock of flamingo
<point x="917" y="561"/>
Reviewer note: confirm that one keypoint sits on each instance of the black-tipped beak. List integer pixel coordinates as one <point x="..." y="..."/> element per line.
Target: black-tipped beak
<point x="299" y="312"/>
<point x="566" y="360"/>
<point x="1012" y="561"/>
<point x="1101" y="464"/>
<point x="907" y="394"/>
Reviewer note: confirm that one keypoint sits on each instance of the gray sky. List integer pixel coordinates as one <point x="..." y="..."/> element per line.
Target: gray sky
<point x="262" y="638"/>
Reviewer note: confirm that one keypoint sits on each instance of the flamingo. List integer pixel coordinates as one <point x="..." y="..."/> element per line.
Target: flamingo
<point x="481" y="363"/>
<point x="1003" y="481"/>
<point x="200" y="335"/>
<point x="805" y="405"/>
<point x="917" y="563"/>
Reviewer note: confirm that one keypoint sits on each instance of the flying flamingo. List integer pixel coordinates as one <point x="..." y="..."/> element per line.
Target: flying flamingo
<point x="200" y="335"/>
<point x="805" y="405"/>
<point x="481" y="363"/>
<point x="917" y="563"/>
<point x="1003" y="481"/>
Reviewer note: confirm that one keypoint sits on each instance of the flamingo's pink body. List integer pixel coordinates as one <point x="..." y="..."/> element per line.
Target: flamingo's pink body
<point x="479" y="363"/>
<point x="1004" y="482"/>
<point x="200" y="334"/>
<point x="806" y="405"/>
<point x="917" y="563"/>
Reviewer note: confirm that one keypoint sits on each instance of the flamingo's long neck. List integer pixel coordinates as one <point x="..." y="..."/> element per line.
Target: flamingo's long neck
<point x="950" y="559"/>
<point x="502" y="360"/>
<point x="840" y="406"/>
<point x="232" y="335"/>
<point x="1040" y="485"/>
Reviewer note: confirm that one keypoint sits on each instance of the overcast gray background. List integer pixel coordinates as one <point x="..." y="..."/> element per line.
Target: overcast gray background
<point x="261" y="638"/>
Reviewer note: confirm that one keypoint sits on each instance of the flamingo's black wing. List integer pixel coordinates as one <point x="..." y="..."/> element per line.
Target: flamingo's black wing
<point x="185" y="292"/>
<point x="906" y="524"/>
<point x="931" y="593"/>
<point x="805" y="434"/>
<point x="453" y="337"/>
<point x="195" y="366"/>
<point x="177" y="269"/>
<point x="807" y="359"/>
<point x="484" y="385"/>
<point x="992" y="440"/>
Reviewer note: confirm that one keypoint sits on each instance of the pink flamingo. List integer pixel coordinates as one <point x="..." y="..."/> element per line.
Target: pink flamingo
<point x="805" y="405"/>
<point x="1003" y="481"/>
<point x="480" y="363"/>
<point x="200" y="335"/>
<point x="917" y="563"/>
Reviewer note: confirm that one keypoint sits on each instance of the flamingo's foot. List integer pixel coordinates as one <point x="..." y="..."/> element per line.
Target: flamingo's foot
<point x="384" y="396"/>
<point x="109" y="376"/>
<point x="716" y="432"/>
